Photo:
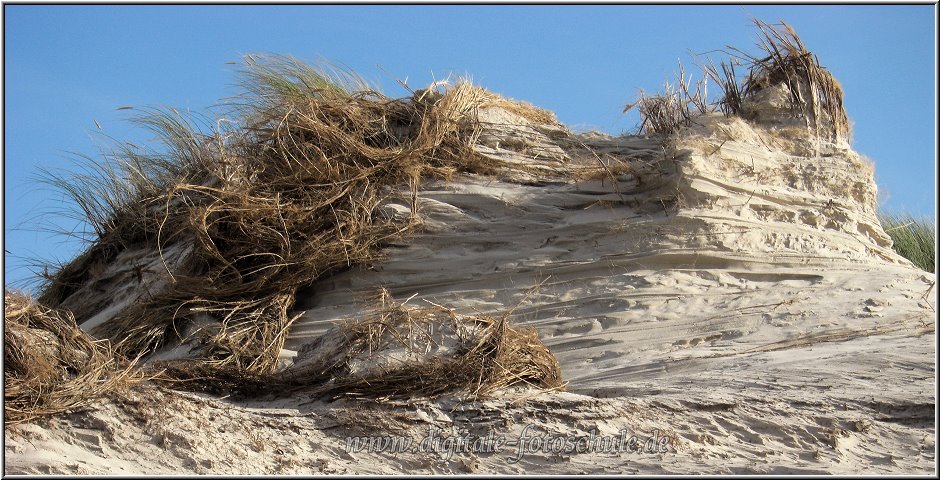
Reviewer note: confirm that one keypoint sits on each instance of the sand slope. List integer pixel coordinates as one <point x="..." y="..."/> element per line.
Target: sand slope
<point x="734" y="293"/>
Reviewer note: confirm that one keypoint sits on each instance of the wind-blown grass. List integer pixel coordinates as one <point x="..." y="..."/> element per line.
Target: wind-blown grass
<point x="914" y="238"/>
<point x="275" y="77"/>
<point x="276" y="200"/>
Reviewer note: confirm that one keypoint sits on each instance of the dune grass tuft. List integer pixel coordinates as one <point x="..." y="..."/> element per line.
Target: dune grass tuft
<point x="665" y="113"/>
<point x="814" y="94"/>
<point x="914" y="238"/>
<point x="282" y="196"/>
<point x="51" y="366"/>
<point x="394" y="351"/>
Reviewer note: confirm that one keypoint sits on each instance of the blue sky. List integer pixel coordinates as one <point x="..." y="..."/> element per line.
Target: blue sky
<point x="70" y="66"/>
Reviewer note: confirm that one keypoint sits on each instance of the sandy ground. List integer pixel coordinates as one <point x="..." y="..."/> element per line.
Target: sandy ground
<point x="771" y="412"/>
<point x="732" y="305"/>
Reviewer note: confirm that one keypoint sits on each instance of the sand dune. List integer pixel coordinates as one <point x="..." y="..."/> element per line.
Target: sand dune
<point x="722" y="299"/>
<point x="733" y="294"/>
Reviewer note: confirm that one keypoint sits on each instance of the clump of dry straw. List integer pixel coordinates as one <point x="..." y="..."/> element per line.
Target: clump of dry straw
<point x="400" y="351"/>
<point x="272" y="202"/>
<point x="50" y="366"/>
<point x="396" y="351"/>
<point x="814" y="93"/>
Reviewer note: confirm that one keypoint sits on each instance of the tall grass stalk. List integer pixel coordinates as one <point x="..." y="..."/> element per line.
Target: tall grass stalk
<point x="914" y="238"/>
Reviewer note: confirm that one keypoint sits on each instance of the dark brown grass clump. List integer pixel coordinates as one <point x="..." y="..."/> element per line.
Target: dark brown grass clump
<point x="50" y="365"/>
<point x="485" y="354"/>
<point x="396" y="352"/>
<point x="273" y="202"/>
<point x="814" y="94"/>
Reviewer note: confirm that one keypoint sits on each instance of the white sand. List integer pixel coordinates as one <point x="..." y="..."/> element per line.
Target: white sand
<point x="735" y="294"/>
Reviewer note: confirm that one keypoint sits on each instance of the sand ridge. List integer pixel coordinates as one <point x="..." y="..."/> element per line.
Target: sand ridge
<point x="732" y="291"/>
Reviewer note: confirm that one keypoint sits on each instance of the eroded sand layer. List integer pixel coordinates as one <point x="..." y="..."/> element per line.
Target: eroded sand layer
<point x="733" y="292"/>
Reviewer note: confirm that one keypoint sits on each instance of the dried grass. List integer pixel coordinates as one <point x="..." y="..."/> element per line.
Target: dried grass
<point x="284" y="197"/>
<point x="487" y="355"/>
<point x="731" y="103"/>
<point x="51" y="366"/>
<point x="814" y="94"/>
<point x="396" y="352"/>
<point x="675" y="107"/>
